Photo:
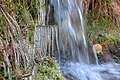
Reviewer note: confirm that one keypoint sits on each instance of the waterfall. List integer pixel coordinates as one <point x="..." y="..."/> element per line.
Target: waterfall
<point x="73" y="49"/>
<point x="69" y="14"/>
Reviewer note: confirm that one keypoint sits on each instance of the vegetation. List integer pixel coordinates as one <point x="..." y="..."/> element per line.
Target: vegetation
<point x="48" y="70"/>
<point x="18" y="19"/>
<point x="101" y="25"/>
<point x="102" y="18"/>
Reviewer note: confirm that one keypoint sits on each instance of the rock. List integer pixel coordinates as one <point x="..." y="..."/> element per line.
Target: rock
<point x="97" y="48"/>
<point x="115" y="49"/>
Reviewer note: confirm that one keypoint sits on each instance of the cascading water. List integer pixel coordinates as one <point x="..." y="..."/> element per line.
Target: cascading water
<point x="72" y="35"/>
<point x="72" y="39"/>
<point x="73" y="46"/>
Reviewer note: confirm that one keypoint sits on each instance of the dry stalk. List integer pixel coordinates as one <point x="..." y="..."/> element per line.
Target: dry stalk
<point x="14" y="35"/>
<point x="7" y="61"/>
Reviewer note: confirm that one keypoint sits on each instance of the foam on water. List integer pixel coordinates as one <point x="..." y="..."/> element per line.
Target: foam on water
<point x="76" y="71"/>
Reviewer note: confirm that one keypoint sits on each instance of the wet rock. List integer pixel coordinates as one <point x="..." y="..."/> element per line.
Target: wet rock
<point x="70" y="77"/>
<point x="107" y="57"/>
<point x="115" y="49"/>
<point x="91" y="54"/>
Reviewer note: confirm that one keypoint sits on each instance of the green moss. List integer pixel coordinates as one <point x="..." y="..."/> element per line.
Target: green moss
<point x="49" y="70"/>
<point x="30" y="35"/>
<point x="100" y="28"/>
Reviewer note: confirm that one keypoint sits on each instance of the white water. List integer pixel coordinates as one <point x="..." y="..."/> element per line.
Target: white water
<point x="77" y="71"/>
<point x="72" y="39"/>
<point x="73" y="47"/>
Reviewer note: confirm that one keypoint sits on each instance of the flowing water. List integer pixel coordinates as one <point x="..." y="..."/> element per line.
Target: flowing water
<point x="72" y="34"/>
<point x="73" y="52"/>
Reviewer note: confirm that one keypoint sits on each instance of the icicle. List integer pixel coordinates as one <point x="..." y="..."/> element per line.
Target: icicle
<point x="57" y="43"/>
<point x="5" y="71"/>
<point x="52" y="43"/>
<point x="49" y="48"/>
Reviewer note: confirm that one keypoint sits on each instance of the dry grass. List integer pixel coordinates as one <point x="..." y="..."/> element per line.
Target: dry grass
<point x="12" y="47"/>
